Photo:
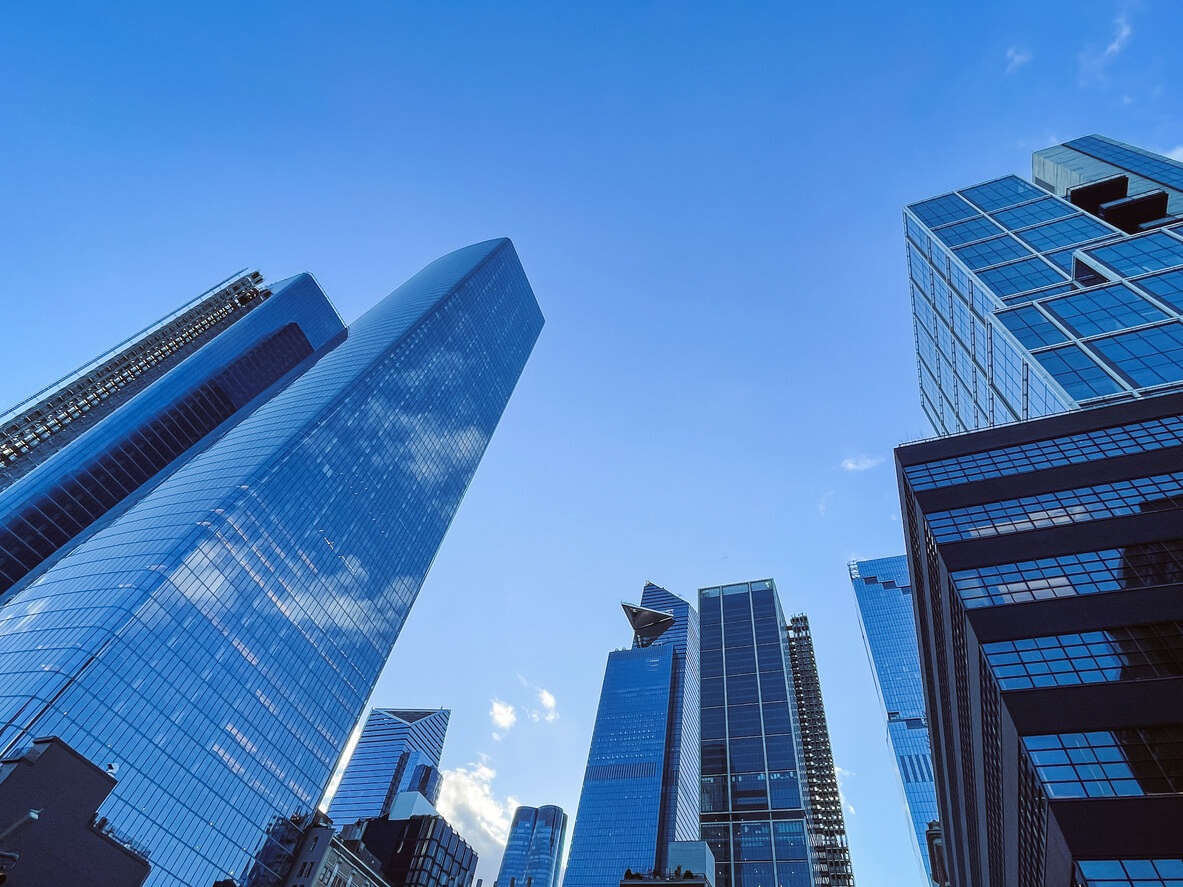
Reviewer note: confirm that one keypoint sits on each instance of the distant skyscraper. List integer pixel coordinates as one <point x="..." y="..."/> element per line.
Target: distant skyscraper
<point x="534" y="851"/>
<point x="399" y="751"/>
<point x="640" y="787"/>
<point x="754" y="797"/>
<point x="1028" y="303"/>
<point x="1047" y="566"/>
<point x="831" y="863"/>
<point x="884" y="595"/>
<point x="212" y="535"/>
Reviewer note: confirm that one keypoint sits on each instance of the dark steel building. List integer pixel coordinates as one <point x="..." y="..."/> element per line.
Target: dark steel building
<point x="420" y="851"/>
<point x="1047" y="567"/>
<point x="831" y="855"/>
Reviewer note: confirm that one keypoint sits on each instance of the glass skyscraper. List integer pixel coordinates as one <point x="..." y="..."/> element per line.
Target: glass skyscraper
<point x="534" y="851"/>
<point x="213" y="534"/>
<point x="883" y="592"/>
<point x="398" y="751"/>
<point x="1028" y="302"/>
<point x="754" y="796"/>
<point x="640" y="789"/>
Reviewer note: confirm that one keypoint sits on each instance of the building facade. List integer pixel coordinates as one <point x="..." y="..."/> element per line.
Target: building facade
<point x="418" y="851"/>
<point x="640" y="786"/>
<point x="827" y="825"/>
<point x="205" y="578"/>
<point x="1028" y="302"/>
<point x="754" y="796"/>
<point x="398" y="751"/>
<point x="1047" y="568"/>
<point x="534" y="851"/>
<point x="883" y="592"/>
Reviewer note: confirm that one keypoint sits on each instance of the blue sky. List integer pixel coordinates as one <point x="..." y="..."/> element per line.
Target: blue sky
<point x="707" y="201"/>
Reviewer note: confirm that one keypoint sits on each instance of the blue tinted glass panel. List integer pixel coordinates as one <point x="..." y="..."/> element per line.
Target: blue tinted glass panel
<point x="1160" y="169"/>
<point x="1153" y="252"/>
<point x="1031" y="327"/>
<point x="1104" y="310"/>
<point x="1077" y="372"/>
<point x="942" y="210"/>
<point x="1033" y="213"/>
<point x="991" y="252"/>
<point x="1168" y="287"/>
<point x="1109" y="763"/>
<point x="1065" y="232"/>
<point x="1146" y="357"/>
<point x="1017" y="277"/>
<point x="1002" y="193"/>
<point x="968" y="231"/>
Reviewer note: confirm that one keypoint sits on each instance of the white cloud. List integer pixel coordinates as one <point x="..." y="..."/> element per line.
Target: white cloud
<point x="502" y="714"/>
<point x="469" y="804"/>
<point x="824" y="501"/>
<point x="548" y="703"/>
<point x="860" y="463"/>
<point x="1016" y="58"/>
<point x="841" y="775"/>
<point x="1121" y="36"/>
<point x="1176" y="153"/>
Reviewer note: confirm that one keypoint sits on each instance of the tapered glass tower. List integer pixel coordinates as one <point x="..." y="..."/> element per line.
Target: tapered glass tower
<point x="213" y="535"/>
<point x="398" y="751"/>
<point x="640" y="787"/>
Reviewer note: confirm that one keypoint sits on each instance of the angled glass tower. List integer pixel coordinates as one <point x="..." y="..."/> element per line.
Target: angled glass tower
<point x="534" y="851"/>
<point x="755" y="800"/>
<point x="883" y="592"/>
<point x="1029" y="301"/>
<point x="213" y="535"/>
<point x="640" y="787"/>
<point x="398" y="751"/>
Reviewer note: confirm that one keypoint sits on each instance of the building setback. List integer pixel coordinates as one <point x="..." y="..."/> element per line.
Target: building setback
<point x="212" y="535"/>
<point x="398" y="751"/>
<point x="640" y="791"/>
<point x="1028" y="302"/>
<point x="883" y="592"/>
<point x="1047" y="567"/>
<point x="534" y="851"/>
<point x="831" y="855"/>
<point x="755" y="800"/>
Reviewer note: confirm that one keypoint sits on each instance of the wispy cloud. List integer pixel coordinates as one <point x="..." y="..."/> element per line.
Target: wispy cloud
<point x="468" y="801"/>
<point x="841" y="775"/>
<point x="1121" y="36"/>
<point x="1176" y="153"/>
<point x="1094" y="59"/>
<point x="1016" y="58"/>
<point x="503" y="715"/>
<point x="549" y="710"/>
<point x="860" y="463"/>
<point x="824" y="502"/>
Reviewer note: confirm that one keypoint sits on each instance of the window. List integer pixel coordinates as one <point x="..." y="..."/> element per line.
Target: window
<point x="1033" y="213"/>
<point x="1152" y="356"/>
<point x="1132" y="761"/>
<point x="1080" y="375"/>
<point x="968" y="231"/>
<point x="1152" y="252"/>
<point x="942" y="210"/>
<point x="1031" y="327"/>
<point x="1104" y="310"/>
<point x="1002" y="193"/>
<point x="1065" y="232"/>
<point x="991" y="252"/>
<point x="1018" y="277"/>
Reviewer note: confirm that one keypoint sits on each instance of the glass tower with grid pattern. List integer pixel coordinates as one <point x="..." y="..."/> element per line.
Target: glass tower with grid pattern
<point x="398" y="751"/>
<point x="1047" y="566"/>
<point x="640" y="789"/>
<point x="755" y="797"/>
<point x="883" y="592"/>
<point x="1031" y="299"/>
<point x="534" y="851"/>
<point x="212" y="535"/>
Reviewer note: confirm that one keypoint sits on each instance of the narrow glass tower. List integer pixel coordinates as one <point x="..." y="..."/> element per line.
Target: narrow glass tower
<point x="212" y="537"/>
<point x="534" y="851"/>
<point x="639" y="789"/>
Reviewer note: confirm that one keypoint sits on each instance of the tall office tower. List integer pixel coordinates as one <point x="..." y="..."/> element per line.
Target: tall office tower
<point x="534" y="851"/>
<point x="213" y="535"/>
<point x="754" y="802"/>
<point x="640" y="789"/>
<point x="884" y="595"/>
<point x="831" y="855"/>
<point x="1027" y="303"/>
<point x="1047" y="567"/>
<point x="398" y="751"/>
